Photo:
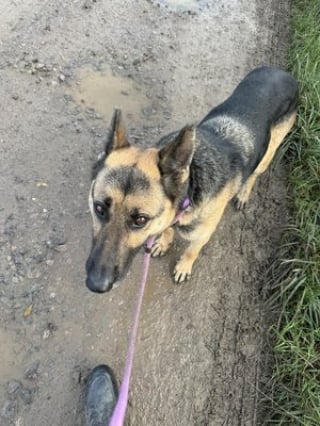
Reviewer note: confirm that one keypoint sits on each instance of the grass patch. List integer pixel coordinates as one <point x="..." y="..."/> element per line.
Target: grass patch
<point x="295" y="395"/>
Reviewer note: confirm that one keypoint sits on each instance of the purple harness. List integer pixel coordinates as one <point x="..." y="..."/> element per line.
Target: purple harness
<point x="119" y="412"/>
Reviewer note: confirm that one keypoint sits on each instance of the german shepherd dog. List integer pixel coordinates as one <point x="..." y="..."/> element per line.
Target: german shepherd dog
<point x="136" y="192"/>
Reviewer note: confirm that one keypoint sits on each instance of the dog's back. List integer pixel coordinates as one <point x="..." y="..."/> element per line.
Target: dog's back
<point x="263" y="99"/>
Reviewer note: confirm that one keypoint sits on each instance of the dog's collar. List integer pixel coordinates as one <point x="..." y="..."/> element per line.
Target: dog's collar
<point x="185" y="203"/>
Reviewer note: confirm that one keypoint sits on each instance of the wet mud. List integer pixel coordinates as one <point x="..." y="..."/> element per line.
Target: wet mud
<point x="64" y="66"/>
<point x="102" y="91"/>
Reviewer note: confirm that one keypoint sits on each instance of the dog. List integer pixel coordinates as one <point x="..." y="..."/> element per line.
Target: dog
<point x="136" y="192"/>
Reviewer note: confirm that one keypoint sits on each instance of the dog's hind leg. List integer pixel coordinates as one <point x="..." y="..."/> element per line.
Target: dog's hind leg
<point x="278" y="133"/>
<point x="163" y="243"/>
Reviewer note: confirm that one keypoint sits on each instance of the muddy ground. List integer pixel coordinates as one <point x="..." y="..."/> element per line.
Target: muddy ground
<point x="63" y="67"/>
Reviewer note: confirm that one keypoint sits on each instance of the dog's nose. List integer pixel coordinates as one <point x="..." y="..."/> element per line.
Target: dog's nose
<point x="100" y="279"/>
<point x="98" y="286"/>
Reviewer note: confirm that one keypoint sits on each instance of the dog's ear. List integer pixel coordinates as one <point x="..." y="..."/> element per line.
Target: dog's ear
<point x="177" y="154"/>
<point x="118" y="135"/>
<point x="175" y="158"/>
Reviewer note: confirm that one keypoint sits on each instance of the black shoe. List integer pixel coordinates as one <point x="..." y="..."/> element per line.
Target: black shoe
<point x="101" y="395"/>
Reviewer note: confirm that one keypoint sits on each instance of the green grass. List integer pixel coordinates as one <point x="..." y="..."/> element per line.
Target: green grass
<point x="295" y="394"/>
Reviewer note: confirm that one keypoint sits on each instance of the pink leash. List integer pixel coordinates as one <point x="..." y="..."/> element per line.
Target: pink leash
<point x="119" y="412"/>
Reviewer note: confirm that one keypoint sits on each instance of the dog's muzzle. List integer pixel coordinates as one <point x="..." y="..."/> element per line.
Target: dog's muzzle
<point x="99" y="280"/>
<point x="100" y="287"/>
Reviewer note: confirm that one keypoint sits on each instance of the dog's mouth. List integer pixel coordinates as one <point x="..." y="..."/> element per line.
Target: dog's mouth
<point x="103" y="286"/>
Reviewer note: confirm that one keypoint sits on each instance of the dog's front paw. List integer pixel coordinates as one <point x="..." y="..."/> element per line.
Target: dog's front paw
<point x="182" y="271"/>
<point x="239" y="203"/>
<point x="159" y="248"/>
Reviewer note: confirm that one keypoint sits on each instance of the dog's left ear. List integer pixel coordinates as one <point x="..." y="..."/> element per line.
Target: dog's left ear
<point x="175" y="158"/>
<point x="118" y="137"/>
<point x="177" y="154"/>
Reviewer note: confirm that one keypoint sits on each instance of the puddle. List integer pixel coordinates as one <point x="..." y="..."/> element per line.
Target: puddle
<point x="182" y="5"/>
<point x="104" y="91"/>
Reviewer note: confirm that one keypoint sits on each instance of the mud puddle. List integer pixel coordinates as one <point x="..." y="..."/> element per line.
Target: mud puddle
<point x="103" y="91"/>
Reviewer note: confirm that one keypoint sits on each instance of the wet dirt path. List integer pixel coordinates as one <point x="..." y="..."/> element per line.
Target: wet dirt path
<point x="63" y="67"/>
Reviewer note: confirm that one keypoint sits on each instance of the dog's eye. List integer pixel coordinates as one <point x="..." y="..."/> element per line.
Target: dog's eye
<point x="139" y="221"/>
<point x="100" y="210"/>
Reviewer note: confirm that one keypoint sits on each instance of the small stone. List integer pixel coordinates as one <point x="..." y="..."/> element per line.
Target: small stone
<point x="27" y="312"/>
<point x="32" y="372"/>
<point x="30" y="275"/>
<point x="60" y="248"/>
<point x="26" y="395"/>
<point x="62" y="78"/>
<point x="148" y="111"/>
<point x="8" y="409"/>
<point x="13" y="386"/>
<point x="87" y="5"/>
<point x="52" y="326"/>
<point x="46" y="334"/>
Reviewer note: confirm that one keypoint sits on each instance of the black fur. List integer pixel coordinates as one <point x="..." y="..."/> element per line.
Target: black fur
<point x="128" y="179"/>
<point x="263" y="98"/>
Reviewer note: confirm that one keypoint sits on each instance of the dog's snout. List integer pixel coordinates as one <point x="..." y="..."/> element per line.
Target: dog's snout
<point x="98" y="286"/>
<point x="100" y="279"/>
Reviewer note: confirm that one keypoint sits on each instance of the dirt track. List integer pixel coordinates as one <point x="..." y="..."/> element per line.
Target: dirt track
<point x="63" y="66"/>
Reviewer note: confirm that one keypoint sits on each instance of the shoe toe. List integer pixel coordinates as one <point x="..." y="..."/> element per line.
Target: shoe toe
<point x="101" y="395"/>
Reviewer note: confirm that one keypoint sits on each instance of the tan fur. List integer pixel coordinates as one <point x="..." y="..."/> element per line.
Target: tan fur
<point x="145" y="160"/>
<point x="147" y="163"/>
<point x="209" y="214"/>
<point x="147" y="202"/>
<point x="156" y="226"/>
<point x="122" y="157"/>
<point x="278" y="133"/>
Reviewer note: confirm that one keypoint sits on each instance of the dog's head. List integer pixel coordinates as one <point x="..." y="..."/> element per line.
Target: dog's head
<point x="134" y="194"/>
